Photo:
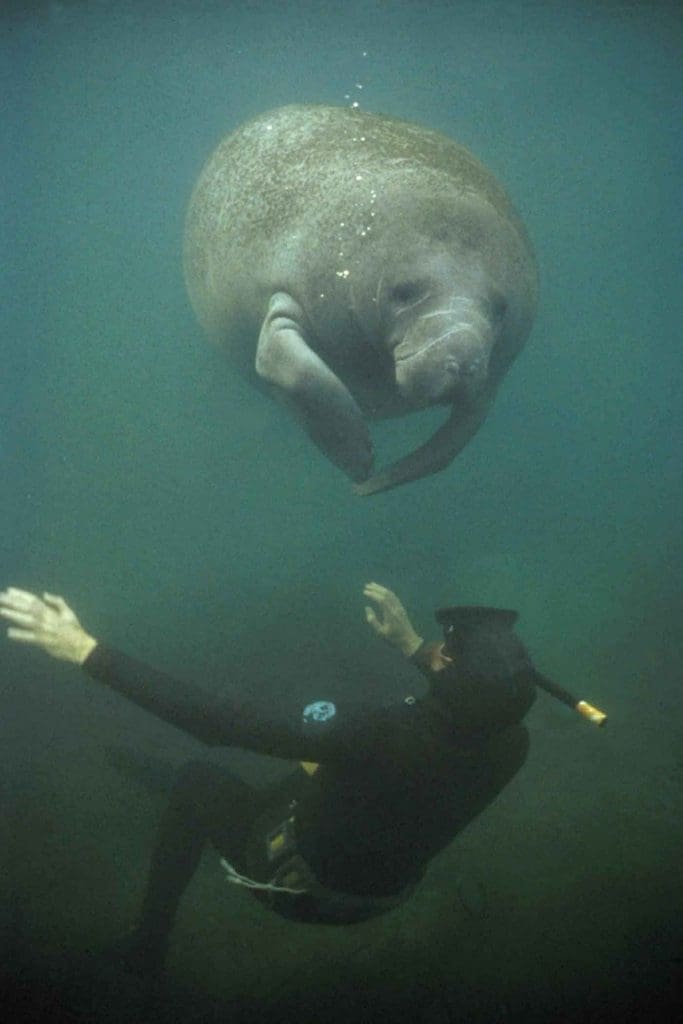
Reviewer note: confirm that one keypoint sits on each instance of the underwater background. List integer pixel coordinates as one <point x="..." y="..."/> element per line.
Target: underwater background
<point x="188" y="520"/>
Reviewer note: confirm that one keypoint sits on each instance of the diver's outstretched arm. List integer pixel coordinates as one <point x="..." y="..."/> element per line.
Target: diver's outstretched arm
<point x="45" y="622"/>
<point x="392" y="624"/>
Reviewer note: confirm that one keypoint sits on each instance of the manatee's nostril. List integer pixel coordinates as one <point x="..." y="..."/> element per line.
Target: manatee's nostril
<point x="452" y="366"/>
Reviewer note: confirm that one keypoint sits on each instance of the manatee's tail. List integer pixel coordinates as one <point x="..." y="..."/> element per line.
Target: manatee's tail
<point x="154" y="772"/>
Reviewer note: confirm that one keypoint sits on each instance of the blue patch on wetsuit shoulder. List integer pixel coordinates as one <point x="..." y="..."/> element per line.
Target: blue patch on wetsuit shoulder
<point x="318" y="712"/>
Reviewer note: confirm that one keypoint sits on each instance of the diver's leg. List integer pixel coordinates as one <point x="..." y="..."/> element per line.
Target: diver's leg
<point x="207" y="803"/>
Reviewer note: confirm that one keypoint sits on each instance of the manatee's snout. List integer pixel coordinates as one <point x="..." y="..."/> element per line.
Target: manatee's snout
<point x="440" y="366"/>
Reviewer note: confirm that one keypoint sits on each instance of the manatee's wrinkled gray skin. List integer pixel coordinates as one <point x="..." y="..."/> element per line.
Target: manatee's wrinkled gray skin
<point x="361" y="267"/>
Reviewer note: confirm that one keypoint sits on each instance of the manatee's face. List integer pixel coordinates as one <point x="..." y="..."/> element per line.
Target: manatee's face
<point x="442" y="319"/>
<point x="447" y="311"/>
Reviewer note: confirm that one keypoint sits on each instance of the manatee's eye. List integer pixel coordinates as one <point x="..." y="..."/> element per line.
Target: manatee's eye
<point x="408" y="292"/>
<point x="498" y="306"/>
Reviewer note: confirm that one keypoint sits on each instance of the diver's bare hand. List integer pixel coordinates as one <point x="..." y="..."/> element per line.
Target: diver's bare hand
<point x="392" y="623"/>
<point x="45" y="622"/>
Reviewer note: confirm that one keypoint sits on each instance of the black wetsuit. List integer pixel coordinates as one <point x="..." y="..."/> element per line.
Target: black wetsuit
<point x="393" y="788"/>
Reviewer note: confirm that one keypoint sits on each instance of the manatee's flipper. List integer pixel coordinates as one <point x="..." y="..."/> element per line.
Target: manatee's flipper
<point x="326" y="409"/>
<point x="438" y="452"/>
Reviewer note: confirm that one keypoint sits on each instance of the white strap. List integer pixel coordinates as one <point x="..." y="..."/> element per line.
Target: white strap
<point x="237" y="879"/>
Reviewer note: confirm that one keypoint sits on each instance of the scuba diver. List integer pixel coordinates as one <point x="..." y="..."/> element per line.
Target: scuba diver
<point x="379" y="791"/>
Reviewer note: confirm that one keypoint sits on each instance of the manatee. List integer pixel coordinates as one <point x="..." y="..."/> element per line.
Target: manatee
<point x="357" y="266"/>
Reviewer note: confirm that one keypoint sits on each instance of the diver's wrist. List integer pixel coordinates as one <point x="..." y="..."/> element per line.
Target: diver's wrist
<point x="83" y="648"/>
<point x="410" y="645"/>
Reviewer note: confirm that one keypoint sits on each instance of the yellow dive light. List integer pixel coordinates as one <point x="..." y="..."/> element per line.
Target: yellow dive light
<point x="588" y="711"/>
<point x="593" y="714"/>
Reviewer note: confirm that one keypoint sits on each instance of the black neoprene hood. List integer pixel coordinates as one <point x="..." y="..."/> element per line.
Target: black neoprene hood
<point x="460" y="621"/>
<point x="491" y="682"/>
